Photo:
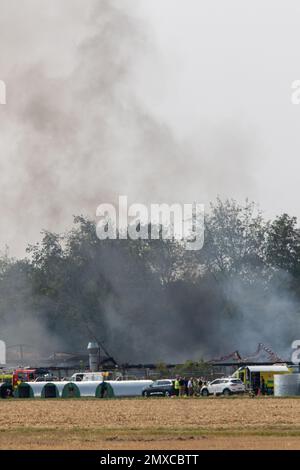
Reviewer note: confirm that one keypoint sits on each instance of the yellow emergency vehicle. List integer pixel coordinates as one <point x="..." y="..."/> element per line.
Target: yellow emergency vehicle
<point x="260" y="377"/>
<point x="6" y="377"/>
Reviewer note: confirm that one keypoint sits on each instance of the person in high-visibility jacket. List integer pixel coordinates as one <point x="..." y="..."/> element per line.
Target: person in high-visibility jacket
<point x="176" y="386"/>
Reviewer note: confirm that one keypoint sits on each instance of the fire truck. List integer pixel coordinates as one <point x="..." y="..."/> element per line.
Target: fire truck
<point x="9" y="380"/>
<point x="26" y="375"/>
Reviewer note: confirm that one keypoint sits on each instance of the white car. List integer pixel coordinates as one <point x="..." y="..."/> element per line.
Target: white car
<point x="226" y="386"/>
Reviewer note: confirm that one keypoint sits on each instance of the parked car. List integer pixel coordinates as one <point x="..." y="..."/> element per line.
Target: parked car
<point x="162" y="388"/>
<point x="225" y="386"/>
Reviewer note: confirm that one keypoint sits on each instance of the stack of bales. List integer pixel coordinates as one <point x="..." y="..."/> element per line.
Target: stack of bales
<point x="96" y="389"/>
<point x="47" y="390"/>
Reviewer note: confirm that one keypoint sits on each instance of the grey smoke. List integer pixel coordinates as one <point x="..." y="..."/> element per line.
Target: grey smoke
<point x="79" y="129"/>
<point x="263" y="311"/>
<point x="76" y="131"/>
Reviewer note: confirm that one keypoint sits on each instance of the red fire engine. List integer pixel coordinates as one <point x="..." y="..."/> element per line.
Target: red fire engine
<point x="23" y="375"/>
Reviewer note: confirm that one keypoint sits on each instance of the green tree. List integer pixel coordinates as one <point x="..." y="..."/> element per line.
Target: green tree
<point x="283" y="247"/>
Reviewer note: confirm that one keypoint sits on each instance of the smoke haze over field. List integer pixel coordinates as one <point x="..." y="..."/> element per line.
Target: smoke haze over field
<point x="147" y="302"/>
<point x="153" y="100"/>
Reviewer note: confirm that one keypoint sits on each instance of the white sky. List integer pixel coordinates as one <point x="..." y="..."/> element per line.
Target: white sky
<point x="232" y="63"/>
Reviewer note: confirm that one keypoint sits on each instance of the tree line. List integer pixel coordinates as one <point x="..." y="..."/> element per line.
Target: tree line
<point x="151" y="300"/>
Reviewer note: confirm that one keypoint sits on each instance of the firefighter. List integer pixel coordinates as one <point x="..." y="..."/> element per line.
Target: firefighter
<point x="262" y="386"/>
<point x="182" y="386"/>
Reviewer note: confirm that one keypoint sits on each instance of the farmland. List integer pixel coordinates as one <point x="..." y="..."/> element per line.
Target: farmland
<point x="213" y="423"/>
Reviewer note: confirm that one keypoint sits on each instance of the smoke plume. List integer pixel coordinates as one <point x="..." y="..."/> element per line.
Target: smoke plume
<point x="75" y="133"/>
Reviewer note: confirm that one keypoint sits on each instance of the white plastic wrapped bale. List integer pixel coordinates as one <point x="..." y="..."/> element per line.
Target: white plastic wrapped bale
<point x="286" y="385"/>
<point x="32" y="389"/>
<point x="128" y="388"/>
<point x="70" y="390"/>
<point x="60" y="386"/>
<point x="48" y="390"/>
<point x="64" y="389"/>
<point x="24" y="390"/>
<point x="6" y="390"/>
<point x="88" y="389"/>
<point x="106" y="389"/>
<point x="40" y="390"/>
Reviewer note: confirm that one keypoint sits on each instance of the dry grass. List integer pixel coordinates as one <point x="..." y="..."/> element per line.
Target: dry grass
<point x="150" y="423"/>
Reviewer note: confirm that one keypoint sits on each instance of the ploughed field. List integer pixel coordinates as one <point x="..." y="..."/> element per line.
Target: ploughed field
<point x="157" y="423"/>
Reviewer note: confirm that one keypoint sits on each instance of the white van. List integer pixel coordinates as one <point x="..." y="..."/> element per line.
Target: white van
<point x="87" y="377"/>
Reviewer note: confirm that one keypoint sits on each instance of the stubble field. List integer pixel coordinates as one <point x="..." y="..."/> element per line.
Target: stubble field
<point x="187" y="423"/>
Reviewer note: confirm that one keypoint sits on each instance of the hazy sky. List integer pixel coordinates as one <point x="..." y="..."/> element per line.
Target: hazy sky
<point x="164" y="101"/>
